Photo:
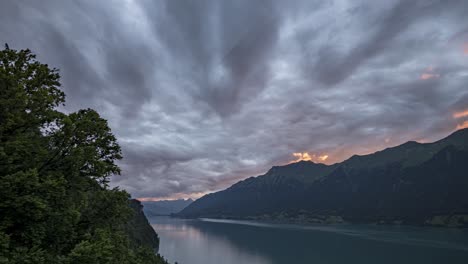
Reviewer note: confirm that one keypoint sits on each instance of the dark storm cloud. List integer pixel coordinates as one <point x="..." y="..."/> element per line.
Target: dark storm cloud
<point x="331" y="68"/>
<point x="223" y="46"/>
<point x="203" y="93"/>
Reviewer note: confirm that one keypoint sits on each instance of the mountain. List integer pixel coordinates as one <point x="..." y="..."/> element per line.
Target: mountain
<point x="165" y="207"/>
<point x="139" y="229"/>
<point x="414" y="183"/>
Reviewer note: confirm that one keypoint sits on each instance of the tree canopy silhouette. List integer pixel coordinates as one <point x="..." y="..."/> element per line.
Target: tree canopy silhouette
<point x="55" y="202"/>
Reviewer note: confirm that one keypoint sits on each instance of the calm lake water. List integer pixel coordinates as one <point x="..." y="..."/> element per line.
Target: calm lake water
<point x="242" y="242"/>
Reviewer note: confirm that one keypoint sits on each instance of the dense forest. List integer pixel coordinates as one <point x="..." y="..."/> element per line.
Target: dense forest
<point x="56" y="205"/>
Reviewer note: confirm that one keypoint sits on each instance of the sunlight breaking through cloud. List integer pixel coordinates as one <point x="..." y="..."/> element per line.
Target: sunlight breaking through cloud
<point x="429" y="74"/>
<point x="305" y="156"/>
<point x="462" y="125"/>
<point x="461" y="114"/>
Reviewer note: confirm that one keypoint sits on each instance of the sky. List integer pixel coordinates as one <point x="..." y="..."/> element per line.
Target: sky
<point x="203" y="93"/>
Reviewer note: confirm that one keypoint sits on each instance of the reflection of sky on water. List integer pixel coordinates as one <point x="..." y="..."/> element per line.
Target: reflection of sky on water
<point x="211" y="241"/>
<point x="449" y="238"/>
<point x="186" y="244"/>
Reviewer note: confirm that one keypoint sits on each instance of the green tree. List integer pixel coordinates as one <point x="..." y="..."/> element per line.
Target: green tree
<point x="55" y="202"/>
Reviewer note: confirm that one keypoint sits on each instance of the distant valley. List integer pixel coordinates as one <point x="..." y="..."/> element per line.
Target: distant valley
<point x="165" y="207"/>
<point x="413" y="183"/>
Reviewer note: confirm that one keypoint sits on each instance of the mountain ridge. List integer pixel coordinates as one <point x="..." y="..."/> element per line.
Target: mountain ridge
<point x="164" y="207"/>
<point x="371" y="188"/>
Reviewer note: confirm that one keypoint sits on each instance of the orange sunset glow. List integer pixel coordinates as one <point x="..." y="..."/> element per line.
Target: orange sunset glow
<point x="460" y="114"/>
<point x="323" y="158"/>
<point x="176" y="196"/>
<point x="305" y="156"/>
<point x="465" y="49"/>
<point x="429" y="74"/>
<point x="302" y="156"/>
<point x="462" y="125"/>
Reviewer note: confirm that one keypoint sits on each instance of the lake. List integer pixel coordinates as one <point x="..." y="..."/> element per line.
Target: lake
<point x="209" y="241"/>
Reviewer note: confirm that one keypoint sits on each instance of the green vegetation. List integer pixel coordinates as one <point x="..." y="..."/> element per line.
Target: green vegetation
<point x="139" y="229"/>
<point x="55" y="202"/>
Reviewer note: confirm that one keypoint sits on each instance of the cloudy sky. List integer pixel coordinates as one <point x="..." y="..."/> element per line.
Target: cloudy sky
<point x="202" y="93"/>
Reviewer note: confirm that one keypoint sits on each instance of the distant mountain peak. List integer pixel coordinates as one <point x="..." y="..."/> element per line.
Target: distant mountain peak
<point x="165" y="207"/>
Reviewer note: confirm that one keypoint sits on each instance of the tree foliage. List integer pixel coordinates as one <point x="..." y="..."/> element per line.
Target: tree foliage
<point x="55" y="202"/>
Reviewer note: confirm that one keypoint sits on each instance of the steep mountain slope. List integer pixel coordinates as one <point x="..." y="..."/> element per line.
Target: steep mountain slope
<point x="256" y="195"/>
<point x="411" y="183"/>
<point x="165" y="207"/>
<point x="139" y="229"/>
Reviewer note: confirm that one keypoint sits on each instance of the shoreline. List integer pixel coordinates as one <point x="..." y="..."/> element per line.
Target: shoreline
<point x="437" y="221"/>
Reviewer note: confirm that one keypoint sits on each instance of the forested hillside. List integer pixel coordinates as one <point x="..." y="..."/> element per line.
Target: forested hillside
<point x="414" y="183"/>
<point x="55" y="202"/>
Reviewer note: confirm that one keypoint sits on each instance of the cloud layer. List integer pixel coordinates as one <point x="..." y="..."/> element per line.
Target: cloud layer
<point x="203" y="93"/>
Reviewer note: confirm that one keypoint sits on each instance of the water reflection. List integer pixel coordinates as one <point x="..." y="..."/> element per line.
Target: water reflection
<point x="186" y="242"/>
<point x="214" y="241"/>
